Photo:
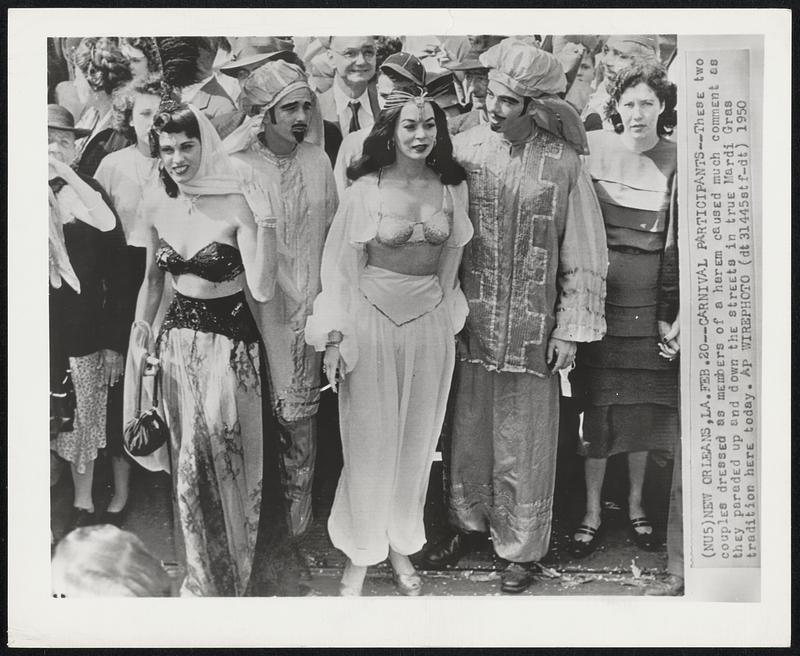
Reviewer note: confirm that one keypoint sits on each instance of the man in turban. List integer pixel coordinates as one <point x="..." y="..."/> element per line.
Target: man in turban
<point x="293" y="181"/>
<point x="534" y="276"/>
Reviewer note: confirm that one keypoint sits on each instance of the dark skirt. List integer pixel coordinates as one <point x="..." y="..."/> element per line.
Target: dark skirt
<point x="628" y="392"/>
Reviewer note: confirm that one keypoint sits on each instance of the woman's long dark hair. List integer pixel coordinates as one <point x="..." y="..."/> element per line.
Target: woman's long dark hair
<point x="172" y="118"/>
<point x="654" y="75"/>
<point x="379" y="148"/>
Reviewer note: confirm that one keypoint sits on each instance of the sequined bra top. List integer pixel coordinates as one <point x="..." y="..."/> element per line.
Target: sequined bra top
<point x="215" y="262"/>
<point x="395" y="230"/>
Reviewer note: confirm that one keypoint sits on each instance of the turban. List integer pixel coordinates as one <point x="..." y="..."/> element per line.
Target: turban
<point x="525" y="69"/>
<point x="266" y="85"/>
<point x="537" y="74"/>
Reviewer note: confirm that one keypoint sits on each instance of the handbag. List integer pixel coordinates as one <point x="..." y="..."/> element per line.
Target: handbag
<point x="147" y="431"/>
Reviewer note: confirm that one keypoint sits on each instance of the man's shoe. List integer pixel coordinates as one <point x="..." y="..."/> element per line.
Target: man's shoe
<point x="445" y="552"/>
<point x="517" y="577"/>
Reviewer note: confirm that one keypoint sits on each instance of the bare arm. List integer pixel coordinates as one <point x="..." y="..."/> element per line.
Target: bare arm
<point x="257" y="243"/>
<point x="100" y="214"/>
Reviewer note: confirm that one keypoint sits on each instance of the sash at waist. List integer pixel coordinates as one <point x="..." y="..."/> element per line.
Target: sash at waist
<point x="399" y="296"/>
<point x="229" y="316"/>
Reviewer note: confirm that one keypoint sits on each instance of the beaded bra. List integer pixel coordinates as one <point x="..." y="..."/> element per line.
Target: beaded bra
<point x="215" y="262"/>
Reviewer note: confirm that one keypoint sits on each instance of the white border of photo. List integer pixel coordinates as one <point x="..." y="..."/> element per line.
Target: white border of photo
<point x="38" y="620"/>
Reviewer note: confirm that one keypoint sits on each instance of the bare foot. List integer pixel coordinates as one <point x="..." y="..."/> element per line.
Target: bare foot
<point x="352" y="580"/>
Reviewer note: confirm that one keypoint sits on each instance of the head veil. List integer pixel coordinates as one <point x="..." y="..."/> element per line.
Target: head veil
<point x="216" y="175"/>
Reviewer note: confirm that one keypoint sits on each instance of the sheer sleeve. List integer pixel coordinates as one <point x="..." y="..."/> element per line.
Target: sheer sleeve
<point x="450" y="258"/>
<point x="343" y="258"/>
<point x="583" y="265"/>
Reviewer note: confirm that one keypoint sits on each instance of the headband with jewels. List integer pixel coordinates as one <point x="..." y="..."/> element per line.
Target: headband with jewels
<point x="399" y="97"/>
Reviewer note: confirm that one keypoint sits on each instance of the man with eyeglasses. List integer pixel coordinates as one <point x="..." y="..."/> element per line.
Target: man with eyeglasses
<point x="400" y="70"/>
<point x="352" y="101"/>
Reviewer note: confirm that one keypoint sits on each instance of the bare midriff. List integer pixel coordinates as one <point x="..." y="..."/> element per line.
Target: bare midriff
<point x="411" y="258"/>
<point x="194" y="286"/>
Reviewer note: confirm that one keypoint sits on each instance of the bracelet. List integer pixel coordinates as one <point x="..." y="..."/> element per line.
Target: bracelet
<point x="269" y="222"/>
<point x="332" y="345"/>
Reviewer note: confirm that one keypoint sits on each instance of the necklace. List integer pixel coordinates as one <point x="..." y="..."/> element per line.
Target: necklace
<point x="190" y="200"/>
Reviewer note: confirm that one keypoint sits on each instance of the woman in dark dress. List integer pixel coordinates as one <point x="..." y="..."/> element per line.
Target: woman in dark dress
<point x="628" y="381"/>
<point x="87" y="321"/>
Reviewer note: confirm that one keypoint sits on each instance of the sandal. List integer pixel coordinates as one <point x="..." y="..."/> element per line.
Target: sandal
<point x="645" y="541"/>
<point x="582" y="548"/>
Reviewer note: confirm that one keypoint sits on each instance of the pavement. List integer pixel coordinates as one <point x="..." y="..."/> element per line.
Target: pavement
<point x="617" y="567"/>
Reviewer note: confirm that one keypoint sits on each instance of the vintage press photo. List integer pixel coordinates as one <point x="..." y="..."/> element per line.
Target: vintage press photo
<point x="486" y="320"/>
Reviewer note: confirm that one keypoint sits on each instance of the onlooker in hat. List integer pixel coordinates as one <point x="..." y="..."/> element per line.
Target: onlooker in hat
<point x="100" y="68"/>
<point x="534" y="276"/>
<point x="296" y="179"/>
<point x="398" y="71"/>
<point x="443" y="90"/>
<point x="248" y="53"/>
<point x="86" y="303"/>
<point x="188" y="66"/>
<point x="619" y="51"/>
<point x="102" y="561"/>
<point x="352" y="101"/>
<point x="474" y="83"/>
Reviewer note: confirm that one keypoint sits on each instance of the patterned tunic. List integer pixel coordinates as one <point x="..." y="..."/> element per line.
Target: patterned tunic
<point x="302" y="187"/>
<point x="537" y="263"/>
<point x="535" y="269"/>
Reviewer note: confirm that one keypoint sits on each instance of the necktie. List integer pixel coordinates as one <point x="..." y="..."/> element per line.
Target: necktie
<point x="354" y="124"/>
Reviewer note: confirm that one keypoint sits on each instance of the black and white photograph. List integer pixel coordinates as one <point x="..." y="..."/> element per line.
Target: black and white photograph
<point x="475" y="318"/>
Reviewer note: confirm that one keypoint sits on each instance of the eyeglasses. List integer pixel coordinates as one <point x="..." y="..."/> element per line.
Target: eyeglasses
<point x="368" y="52"/>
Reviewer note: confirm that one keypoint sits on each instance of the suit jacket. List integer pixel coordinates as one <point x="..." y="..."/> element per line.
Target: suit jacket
<point x="327" y="106"/>
<point x="212" y="99"/>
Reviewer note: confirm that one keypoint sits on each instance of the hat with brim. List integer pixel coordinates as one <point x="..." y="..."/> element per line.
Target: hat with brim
<point x="60" y="118"/>
<point x="407" y="66"/>
<point x="252" y="54"/>
<point x="470" y="60"/>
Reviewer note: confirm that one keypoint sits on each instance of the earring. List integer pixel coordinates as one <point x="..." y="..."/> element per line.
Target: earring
<point x="390" y="145"/>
